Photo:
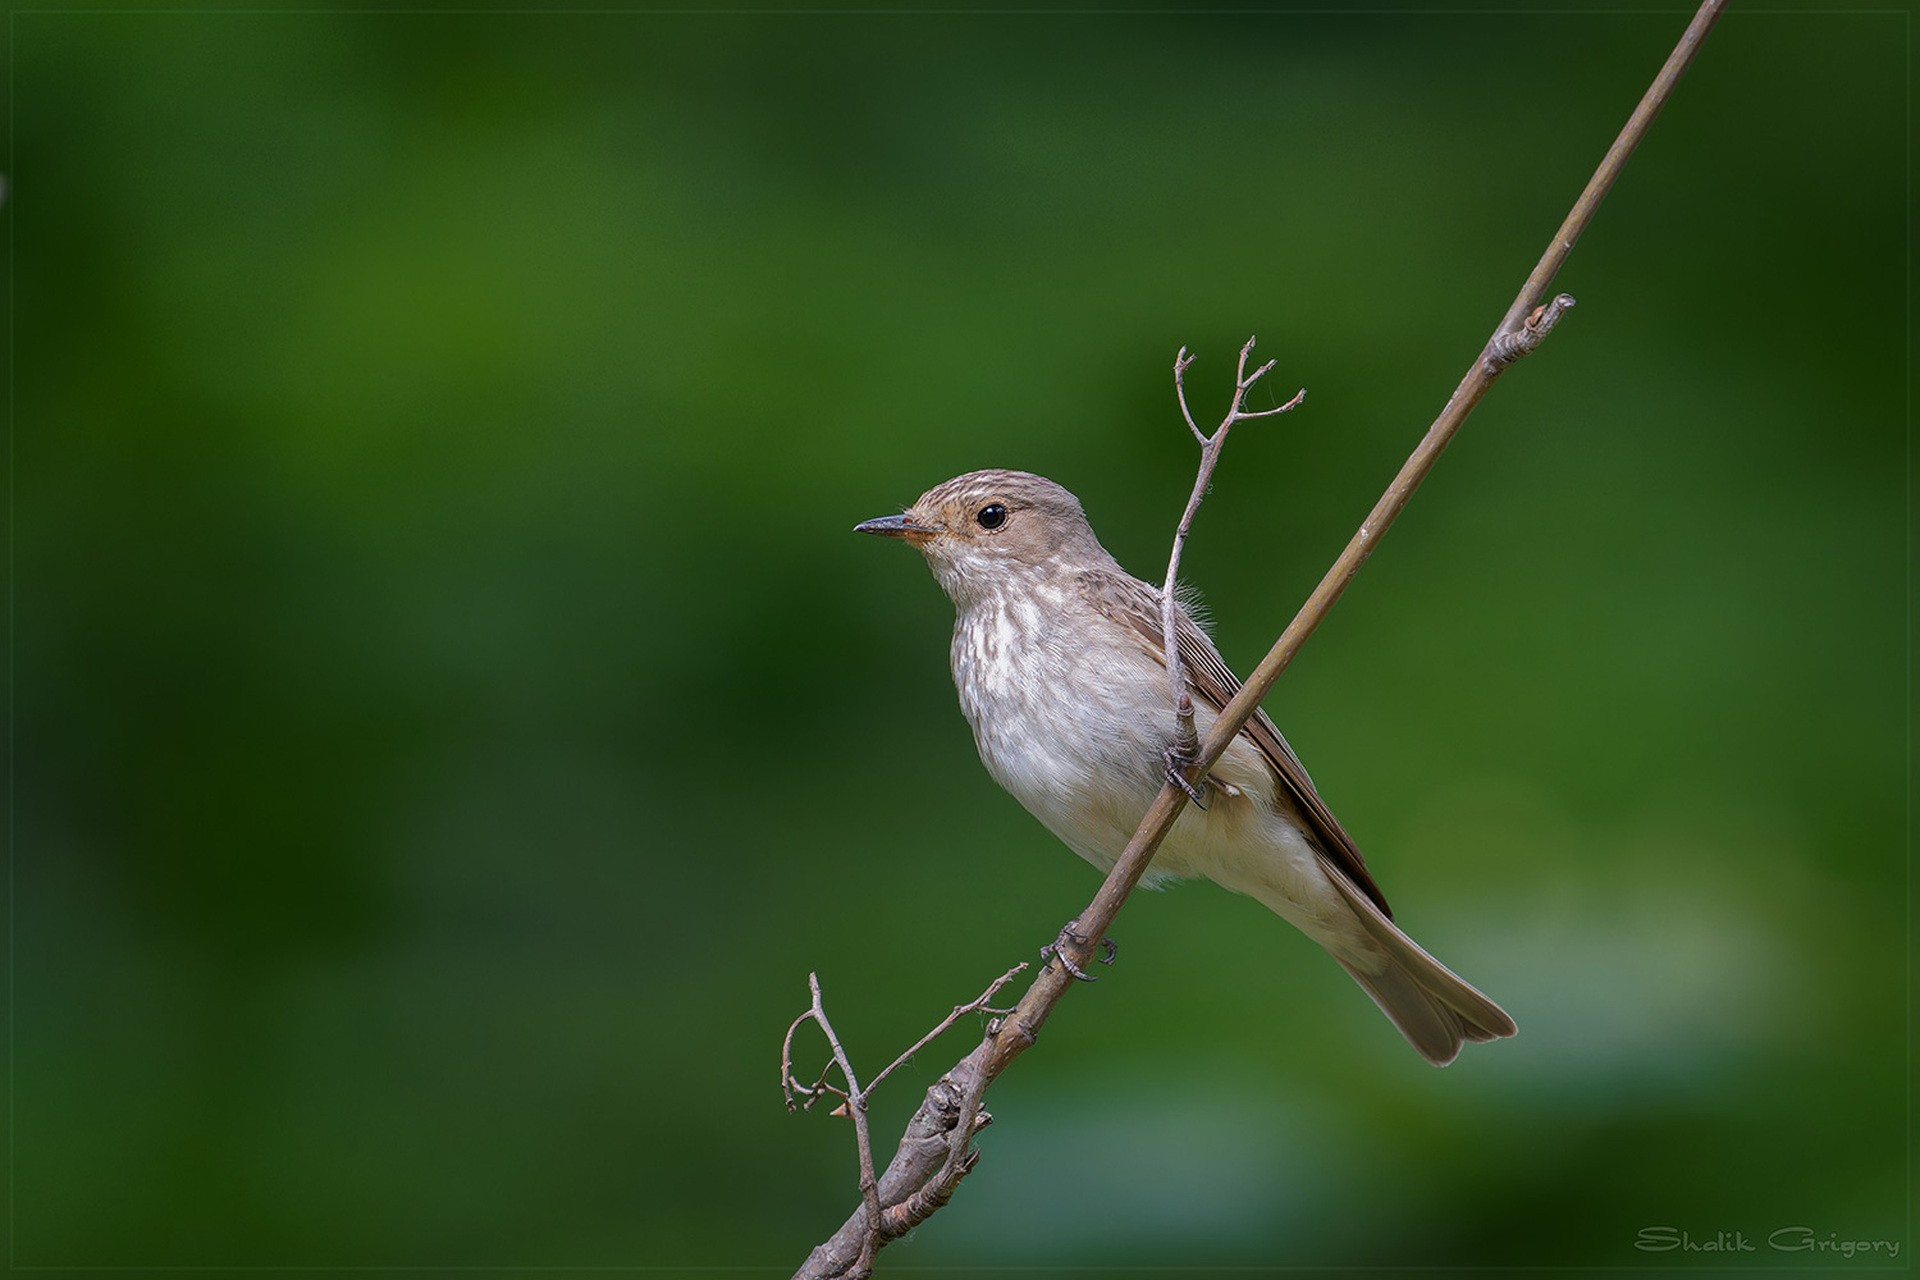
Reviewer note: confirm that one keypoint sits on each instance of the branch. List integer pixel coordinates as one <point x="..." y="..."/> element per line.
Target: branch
<point x="1521" y="330"/>
<point x="927" y="1149"/>
<point x="975" y="1005"/>
<point x="1185" y="743"/>
<point x="855" y="1105"/>
<point x="877" y="1226"/>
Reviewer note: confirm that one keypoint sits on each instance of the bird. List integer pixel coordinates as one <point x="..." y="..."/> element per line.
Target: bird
<point x="1059" y="659"/>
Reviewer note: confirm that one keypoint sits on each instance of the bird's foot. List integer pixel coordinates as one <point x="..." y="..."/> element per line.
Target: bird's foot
<point x="1178" y="761"/>
<point x="1071" y="937"/>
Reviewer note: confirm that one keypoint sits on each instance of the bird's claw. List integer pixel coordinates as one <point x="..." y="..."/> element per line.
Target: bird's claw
<point x="1178" y="762"/>
<point x="1057" y="950"/>
<point x="1052" y="952"/>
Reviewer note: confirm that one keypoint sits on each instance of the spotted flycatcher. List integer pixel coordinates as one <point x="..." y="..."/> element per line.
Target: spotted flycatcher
<point x="1061" y="667"/>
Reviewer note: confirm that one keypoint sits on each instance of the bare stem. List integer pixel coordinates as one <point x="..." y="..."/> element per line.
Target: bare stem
<point x="1186" y="742"/>
<point x="857" y="1109"/>
<point x="926" y="1149"/>
<point x="1505" y="346"/>
<point x="975" y="1005"/>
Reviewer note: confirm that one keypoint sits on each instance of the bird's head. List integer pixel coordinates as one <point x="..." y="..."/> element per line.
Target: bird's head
<point x="988" y="530"/>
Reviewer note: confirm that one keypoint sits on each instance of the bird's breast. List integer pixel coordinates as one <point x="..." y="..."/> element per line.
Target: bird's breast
<point x="1071" y="714"/>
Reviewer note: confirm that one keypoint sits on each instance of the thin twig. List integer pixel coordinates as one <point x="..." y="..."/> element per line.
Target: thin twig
<point x="925" y="1148"/>
<point x="1504" y="347"/>
<point x="1186" y="741"/>
<point x="789" y="1085"/>
<point x="975" y="1005"/>
<point x="856" y="1105"/>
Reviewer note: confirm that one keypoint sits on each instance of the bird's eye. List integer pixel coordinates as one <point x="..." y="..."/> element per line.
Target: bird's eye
<point x="992" y="516"/>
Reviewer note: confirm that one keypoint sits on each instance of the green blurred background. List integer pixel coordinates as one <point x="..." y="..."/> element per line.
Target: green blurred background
<point x="453" y="716"/>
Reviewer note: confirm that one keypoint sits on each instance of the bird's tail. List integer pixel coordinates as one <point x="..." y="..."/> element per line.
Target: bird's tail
<point x="1435" y="1009"/>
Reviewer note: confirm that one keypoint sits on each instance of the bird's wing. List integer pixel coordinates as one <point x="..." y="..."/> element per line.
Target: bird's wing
<point x="1137" y="605"/>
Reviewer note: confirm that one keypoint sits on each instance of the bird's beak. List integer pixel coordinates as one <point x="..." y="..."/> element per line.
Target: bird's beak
<point x="897" y="527"/>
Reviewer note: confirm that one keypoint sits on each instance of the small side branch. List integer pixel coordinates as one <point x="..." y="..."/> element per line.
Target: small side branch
<point x="854" y="1103"/>
<point x="1186" y="742"/>
<point x="976" y="1005"/>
